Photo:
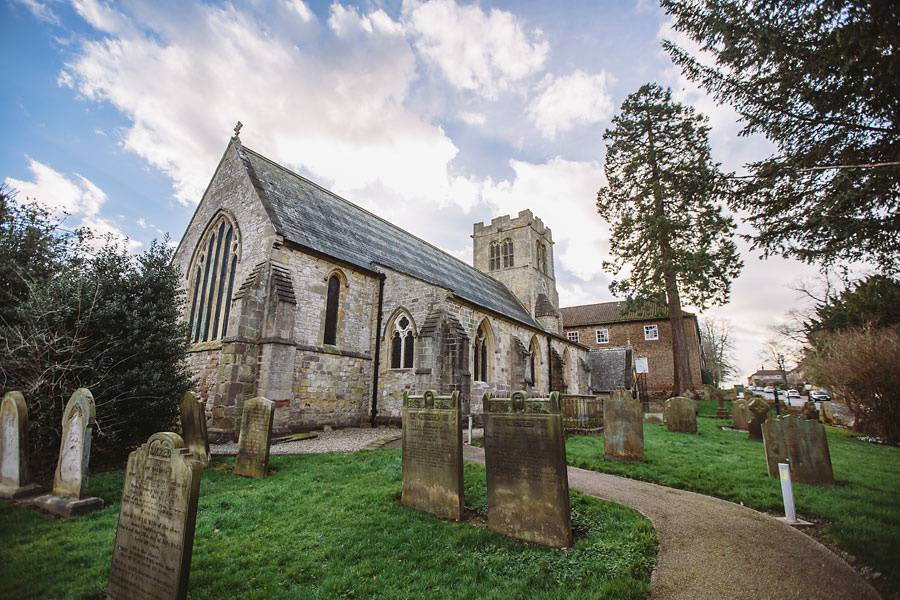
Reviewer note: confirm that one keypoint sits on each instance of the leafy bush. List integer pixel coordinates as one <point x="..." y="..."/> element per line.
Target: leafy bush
<point x="860" y="366"/>
<point x="102" y="319"/>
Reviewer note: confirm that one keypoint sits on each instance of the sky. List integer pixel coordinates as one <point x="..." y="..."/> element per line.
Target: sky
<point x="434" y="114"/>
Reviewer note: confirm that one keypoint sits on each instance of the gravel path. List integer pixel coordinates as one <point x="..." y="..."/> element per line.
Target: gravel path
<point x="339" y="440"/>
<point x="711" y="548"/>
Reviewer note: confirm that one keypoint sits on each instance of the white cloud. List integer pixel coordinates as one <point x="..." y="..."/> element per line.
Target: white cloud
<point x="76" y="196"/>
<point x="472" y="118"/>
<point x="576" y="99"/>
<point x="41" y="11"/>
<point x="300" y="8"/>
<point x="483" y="52"/>
<point x="101" y="16"/>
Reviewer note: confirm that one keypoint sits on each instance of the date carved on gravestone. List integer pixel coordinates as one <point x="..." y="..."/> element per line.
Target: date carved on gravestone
<point x="432" y="454"/>
<point x="527" y="480"/>
<point x="155" y="534"/>
<point x="255" y="438"/>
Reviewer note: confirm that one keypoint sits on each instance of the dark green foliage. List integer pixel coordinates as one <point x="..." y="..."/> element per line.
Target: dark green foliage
<point x="102" y="319"/>
<point x="871" y="302"/>
<point x="331" y="526"/>
<point x="860" y="511"/>
<point x="663" y="203"/>
<point x="820" y="79"/>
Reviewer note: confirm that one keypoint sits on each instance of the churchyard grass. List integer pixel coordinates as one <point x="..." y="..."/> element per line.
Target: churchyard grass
<point x="859" y="513"/>
<point x="331" y="526"/>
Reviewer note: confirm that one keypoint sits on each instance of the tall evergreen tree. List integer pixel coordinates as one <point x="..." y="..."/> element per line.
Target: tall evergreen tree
<point x="669" y="237"/>
<point x="820" y="79"/>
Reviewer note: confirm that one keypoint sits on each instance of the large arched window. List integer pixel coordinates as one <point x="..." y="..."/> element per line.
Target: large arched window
<point x="494" y="256"/>
<point x="508" y="258"/>
<point x="332" y="303"/>
<point x="403" y="342"/>
<point x="481" y="352"/>
<point x="213" y="270"/>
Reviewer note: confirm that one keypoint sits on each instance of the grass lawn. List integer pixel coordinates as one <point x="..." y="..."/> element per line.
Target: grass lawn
<point x="861" y="512"/>
<point x="331" y="526"/>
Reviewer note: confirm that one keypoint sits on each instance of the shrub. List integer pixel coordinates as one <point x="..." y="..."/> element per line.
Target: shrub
<point x="860" y="367"/>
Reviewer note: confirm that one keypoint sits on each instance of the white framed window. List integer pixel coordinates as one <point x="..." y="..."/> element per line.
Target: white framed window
<point x="651" y="332"/>
<point x="641" y="365"/>
<point x="603" y="336"/>
<point x="572" y="335"/>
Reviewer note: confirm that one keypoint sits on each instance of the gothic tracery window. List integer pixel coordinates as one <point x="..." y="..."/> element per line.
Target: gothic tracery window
<point x="480" y="353"/>
<point x="403" y="343"/>
<point x="213" y="270"/>
<point x="494" y="260"/>
<point x="507" y="250"/>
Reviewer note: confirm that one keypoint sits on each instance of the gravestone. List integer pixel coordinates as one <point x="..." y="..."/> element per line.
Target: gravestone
<point x="432" y="454"/>
<point x="155" y="535"/>
<point x="193" y="427"/>
<point x="70" y="481"/>
<point x="680" y="415"/>
<point x="14" y="448"/>
<point x="802" y="443"/>
<point x="255" y="438"/>
<point x="740" y="414"/>
<point x="623" y="427"/>
<point x="809" y="411"/>
<point x="527" y="481"/>
<point x="759" y="412"/>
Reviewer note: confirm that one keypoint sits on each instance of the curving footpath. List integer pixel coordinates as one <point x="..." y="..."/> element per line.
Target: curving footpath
<point x="711" y="548"/>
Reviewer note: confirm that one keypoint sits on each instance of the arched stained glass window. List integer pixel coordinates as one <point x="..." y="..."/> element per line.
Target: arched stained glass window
<point x="403" y="343"/>
<point x="331" y="310"/>
<point x="494" y="250"/>
<point x="215" y="263"/>
<point x="508" y="258"/>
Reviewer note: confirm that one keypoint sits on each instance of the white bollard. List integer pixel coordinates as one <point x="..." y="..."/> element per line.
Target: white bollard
<point x="787" y="491"/>
<point x="470" y="430"/>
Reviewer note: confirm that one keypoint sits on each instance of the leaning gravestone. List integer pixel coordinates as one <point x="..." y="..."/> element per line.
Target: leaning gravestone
<point x="802" y="443"/>
<point x="432" y="454"/>
<point x="193" y="427"/>
<point x="14" y="448"/>
<point x="740" y="414"/>
<point x="681" y="415"/>
<point x="759" y="412"/>
<point x="527" y="481"/>
<point x="255" y="438"/>
<point x="71" y="479"/>
<point x="623" y="427"/>
<point x="155" y="535"/>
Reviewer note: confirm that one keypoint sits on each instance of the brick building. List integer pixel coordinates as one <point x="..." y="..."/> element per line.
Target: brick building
<point x="295" y="294"/>
<point x="649" y="333"/>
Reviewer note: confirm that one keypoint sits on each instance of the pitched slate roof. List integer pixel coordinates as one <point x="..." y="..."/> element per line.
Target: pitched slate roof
<point x="611" y="312"/>
<point x="313" y="217"/>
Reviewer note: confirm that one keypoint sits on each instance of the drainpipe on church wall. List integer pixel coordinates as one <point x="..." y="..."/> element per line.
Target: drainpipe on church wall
<point x="376" y="360"/>
<point x="549" y="366"/>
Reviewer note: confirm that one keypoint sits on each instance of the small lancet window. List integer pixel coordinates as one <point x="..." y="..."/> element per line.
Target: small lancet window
<point x="403" y="344"/>
<point x="541" y="253"/>
<point x="331" y="310"/>
<point x="508" y="258"/>
<point x="216" y="264"/>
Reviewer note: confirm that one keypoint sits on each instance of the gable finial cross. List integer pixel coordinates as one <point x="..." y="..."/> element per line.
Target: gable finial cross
<point x="237" y="128"/>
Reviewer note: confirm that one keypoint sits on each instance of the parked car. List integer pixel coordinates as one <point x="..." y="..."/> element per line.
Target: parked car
<point x="819" y="396"/>
<point x="769" y="389"/>
<point x="793" y="394"/>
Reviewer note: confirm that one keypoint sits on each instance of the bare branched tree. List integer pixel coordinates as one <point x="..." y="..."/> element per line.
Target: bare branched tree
<point x="718" y="349"/>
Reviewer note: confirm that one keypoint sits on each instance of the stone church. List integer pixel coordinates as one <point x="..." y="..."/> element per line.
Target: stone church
<point x="298" y="295"/>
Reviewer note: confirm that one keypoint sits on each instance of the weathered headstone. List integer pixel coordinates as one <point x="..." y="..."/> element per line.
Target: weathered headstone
<point x="681" y="415"/>
<point x="155" y="536"/>
<point x="527" y="480"/>
<point x="809" y="411"/>
<point x="623" y="427"/>
<point x="193" y="427"/>
<point x="802" y="443"/>
<point x="740" y="414"/>
<point x="255" y="438"/>
<point x="14" y="448"/>
<point x="759" y="412"/>
<point x="432" y="454"/>
<point x="70" y="482"/>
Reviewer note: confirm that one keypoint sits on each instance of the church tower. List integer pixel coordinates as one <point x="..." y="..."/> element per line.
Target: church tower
<point x="518" y="252"/>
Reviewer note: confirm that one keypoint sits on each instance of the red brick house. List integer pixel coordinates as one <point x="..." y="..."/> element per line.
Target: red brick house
<point x="610" y="325"/>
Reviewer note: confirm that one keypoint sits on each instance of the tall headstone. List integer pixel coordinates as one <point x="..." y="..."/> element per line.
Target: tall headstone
<point x="255" y="438"/>
<point x="623" y="427"/>
<point x="740" y="414"/>
<point x="193" y="427"/>
<point x="70" y="481"/>
<point x="759" y="412"/>
<point x="527" y="480"/>
<point x="155" y="535"/>
<point x="432" y="454"/>
<point x="802" y="443"/>
<point x="681" y="415"/>
<point x="14" y="448"/>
